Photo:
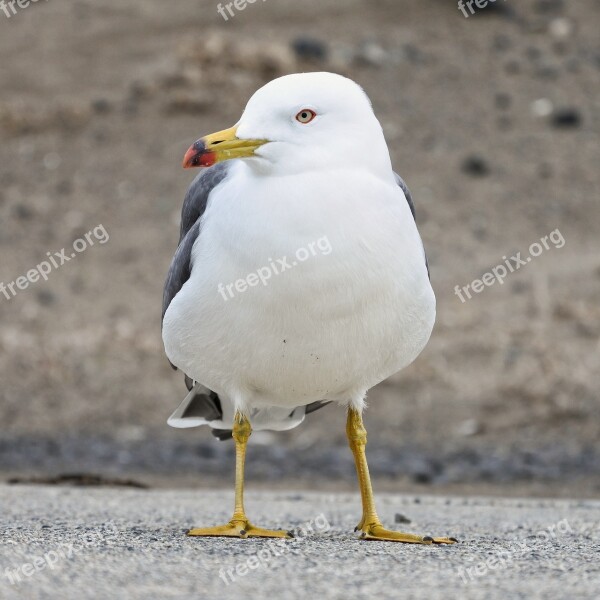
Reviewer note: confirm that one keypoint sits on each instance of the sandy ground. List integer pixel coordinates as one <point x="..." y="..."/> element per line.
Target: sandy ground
<point x="131" y="544"/>
<point x="492" y="120"/>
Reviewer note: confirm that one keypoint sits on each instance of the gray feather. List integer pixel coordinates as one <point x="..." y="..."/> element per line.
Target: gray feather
<point x="407" y="193"/>
<point x="181" y="267"/>
<point x="194" y="205"/>
<point x="205" y="406"/>
<point x="316" y="406"/>
<point x="411" y="204"/>
<point x="196" y="198"/>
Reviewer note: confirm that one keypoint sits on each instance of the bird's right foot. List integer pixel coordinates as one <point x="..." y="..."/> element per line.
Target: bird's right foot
<point x="376" y="531"/>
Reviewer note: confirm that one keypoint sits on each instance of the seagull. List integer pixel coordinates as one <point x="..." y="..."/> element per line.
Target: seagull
<point x="300" y="278"/>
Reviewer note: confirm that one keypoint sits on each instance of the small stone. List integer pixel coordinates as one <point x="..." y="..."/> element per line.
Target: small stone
<point x="23" y="212"/>
<point x="422" y="477"/>
<point x="101" y="106"/>
<point x="311" y="49"/>
<point x="567" y="118"/>
<point x="542" y="107"/>
<point x="475" y="166"/>
<point x="46" y="298"/>
<point x="469" y="427"/>
<point x="561" y="28"/>
<point x="371" y="54"/>
<point x="400" y="518"/>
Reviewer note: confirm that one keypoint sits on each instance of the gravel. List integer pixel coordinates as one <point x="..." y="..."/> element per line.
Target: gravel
<point x="109" y="543"/>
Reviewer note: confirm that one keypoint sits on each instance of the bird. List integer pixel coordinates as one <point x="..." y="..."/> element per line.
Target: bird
<point x="300" y="278"/>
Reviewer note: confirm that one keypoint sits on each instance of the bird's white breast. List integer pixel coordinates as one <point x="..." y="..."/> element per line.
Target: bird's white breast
<point x="329" y="327"/>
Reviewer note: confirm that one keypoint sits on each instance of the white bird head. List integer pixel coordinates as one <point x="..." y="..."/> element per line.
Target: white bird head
<point x="298" y="123"/>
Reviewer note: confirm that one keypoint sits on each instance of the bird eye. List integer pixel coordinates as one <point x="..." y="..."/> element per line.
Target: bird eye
<point x="305" y="116"/>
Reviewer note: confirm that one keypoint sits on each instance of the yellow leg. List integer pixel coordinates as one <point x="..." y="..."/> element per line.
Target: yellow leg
<point x="239" y="526"/>
<point x="370" y="525"/>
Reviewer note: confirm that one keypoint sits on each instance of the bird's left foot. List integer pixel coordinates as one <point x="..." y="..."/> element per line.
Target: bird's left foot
<point x="376" y="531"/>
<point x="240" y="528"/>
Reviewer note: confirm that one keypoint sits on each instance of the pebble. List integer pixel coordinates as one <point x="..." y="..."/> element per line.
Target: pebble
<point x="561" y="28"/>
<point x="469" y="427"/>
<point x="371" y="54"/>
<point x="475" y="166"/>
<point x="23" y="212"/>
<point x="567" y="118"/>
<point x="311" y="49"/>
<point x="46" y="297"/>
<point x="542" y="107"/>
<point x="400" y="518"/>
<point x="101" y="106"/>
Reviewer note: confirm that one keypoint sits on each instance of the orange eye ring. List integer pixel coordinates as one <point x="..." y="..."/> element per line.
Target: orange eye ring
<point x="305" y="116"/>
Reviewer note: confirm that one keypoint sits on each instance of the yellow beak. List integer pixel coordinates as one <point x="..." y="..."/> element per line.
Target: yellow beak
<point x="220" y="146"/>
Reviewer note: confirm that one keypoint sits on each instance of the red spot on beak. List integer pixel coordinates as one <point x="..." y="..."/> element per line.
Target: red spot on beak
<point x="199" y="156"/>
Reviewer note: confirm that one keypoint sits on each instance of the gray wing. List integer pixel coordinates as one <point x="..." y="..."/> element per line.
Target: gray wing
<point x="411" y="204"/>
<point x="181" y="268"/>
<point x="194" y="206"/>
<point x="407" y="193"/>
<point x="196" y="199"/>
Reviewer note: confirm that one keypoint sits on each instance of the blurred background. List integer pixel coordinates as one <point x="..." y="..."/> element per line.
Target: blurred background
<point x="492" y="120"/>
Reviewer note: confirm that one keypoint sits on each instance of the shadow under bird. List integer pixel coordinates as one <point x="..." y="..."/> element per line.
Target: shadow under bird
<point x="307" y="161"/>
